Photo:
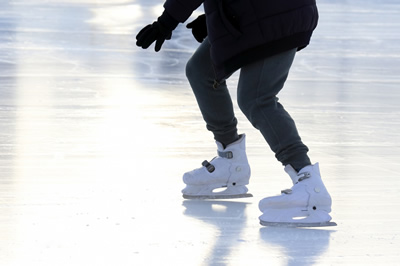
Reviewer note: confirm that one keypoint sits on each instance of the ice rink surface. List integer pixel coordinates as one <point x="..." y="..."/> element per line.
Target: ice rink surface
<point x="96" y="133"/>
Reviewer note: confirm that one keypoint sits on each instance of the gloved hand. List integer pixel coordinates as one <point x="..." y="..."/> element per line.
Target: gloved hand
<point x="158" y="32"/>
<point x="199" y="28"/>
<point x="154" y="32"/>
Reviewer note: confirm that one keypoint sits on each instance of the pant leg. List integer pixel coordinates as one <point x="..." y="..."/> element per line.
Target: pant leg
<point x="215" y="104"/>
<point x="259" y="83"/>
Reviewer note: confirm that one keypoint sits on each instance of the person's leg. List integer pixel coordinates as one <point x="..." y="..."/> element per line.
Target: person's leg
<point x="228" y="173"/>
<point x="308" y="202"/>
<point x="259" y="84"/>
<point x="215" y="104"/>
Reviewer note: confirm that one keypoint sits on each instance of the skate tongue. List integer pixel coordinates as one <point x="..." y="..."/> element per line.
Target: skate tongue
<point x="292" y="173"/>
<point x="220" y="147"/>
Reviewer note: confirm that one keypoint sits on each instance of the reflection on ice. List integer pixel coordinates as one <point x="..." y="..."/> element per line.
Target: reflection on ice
<point x="116" y="19"/>
<point x="228" y="218"/>
<point x="299" y="246"/>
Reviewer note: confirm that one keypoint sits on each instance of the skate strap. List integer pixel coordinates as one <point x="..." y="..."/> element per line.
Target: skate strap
<point x="303" y="176"/>
<point x="286" y="191"/>
<point x="225" y="154"/>
<point x="210" y="167"/>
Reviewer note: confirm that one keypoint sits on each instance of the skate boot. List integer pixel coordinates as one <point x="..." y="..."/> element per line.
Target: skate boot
<point x="306" y="204"/>
<point x="228" y="173"/>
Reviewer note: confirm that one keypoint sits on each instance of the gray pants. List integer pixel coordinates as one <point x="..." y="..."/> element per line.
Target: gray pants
<point x="259" y="83"/>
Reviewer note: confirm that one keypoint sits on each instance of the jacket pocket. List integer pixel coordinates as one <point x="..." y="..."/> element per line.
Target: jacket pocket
<point x="229" y="19"/>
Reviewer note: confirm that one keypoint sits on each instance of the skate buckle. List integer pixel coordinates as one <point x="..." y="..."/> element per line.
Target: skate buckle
<point x="210" y="168"/>
<point x="303" y="176"/>
<point x="225" y="154"/>
<point x="286" y="191"/>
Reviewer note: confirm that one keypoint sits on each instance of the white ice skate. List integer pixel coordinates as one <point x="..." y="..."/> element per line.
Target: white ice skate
<point x="306" y="204"/>
<point x="229" y="171"/>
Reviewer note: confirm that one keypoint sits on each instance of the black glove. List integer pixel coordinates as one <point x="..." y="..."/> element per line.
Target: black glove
<point x="154" y="32"/>
<point x="199" y="28"/>
<point x="158" y="32"/>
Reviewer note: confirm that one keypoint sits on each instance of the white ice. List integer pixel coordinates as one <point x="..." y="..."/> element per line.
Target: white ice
<point x="96" y="133"/>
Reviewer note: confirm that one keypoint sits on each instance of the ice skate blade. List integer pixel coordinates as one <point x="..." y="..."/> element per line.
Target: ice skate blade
<point x="220" y="196"/>
<point x="286" y="224"/>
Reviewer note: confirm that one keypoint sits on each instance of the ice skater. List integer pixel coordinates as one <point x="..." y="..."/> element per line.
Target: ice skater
<point x="261" y="38"/>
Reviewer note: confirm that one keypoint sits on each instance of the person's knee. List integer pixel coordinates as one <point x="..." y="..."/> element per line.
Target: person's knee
<point x="253" y="107"/>
<point x="190" y="69"/>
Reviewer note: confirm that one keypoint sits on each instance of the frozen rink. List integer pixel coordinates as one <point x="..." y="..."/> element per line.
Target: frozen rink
<point x="96" y="133"/>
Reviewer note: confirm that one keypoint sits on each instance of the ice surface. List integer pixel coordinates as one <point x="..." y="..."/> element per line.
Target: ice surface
<point x="95" y="134"/>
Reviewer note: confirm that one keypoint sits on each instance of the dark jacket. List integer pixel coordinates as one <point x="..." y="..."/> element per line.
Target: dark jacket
<point x="243" y="31"/>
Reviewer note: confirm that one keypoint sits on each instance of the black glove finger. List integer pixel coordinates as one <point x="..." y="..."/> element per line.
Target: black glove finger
<point x="139" y="35"/>
<point x="190" y="25"/>
<point x="159" y="43"/>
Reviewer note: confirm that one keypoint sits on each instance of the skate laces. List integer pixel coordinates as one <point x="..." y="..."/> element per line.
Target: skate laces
<point x="301" y="177"/>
